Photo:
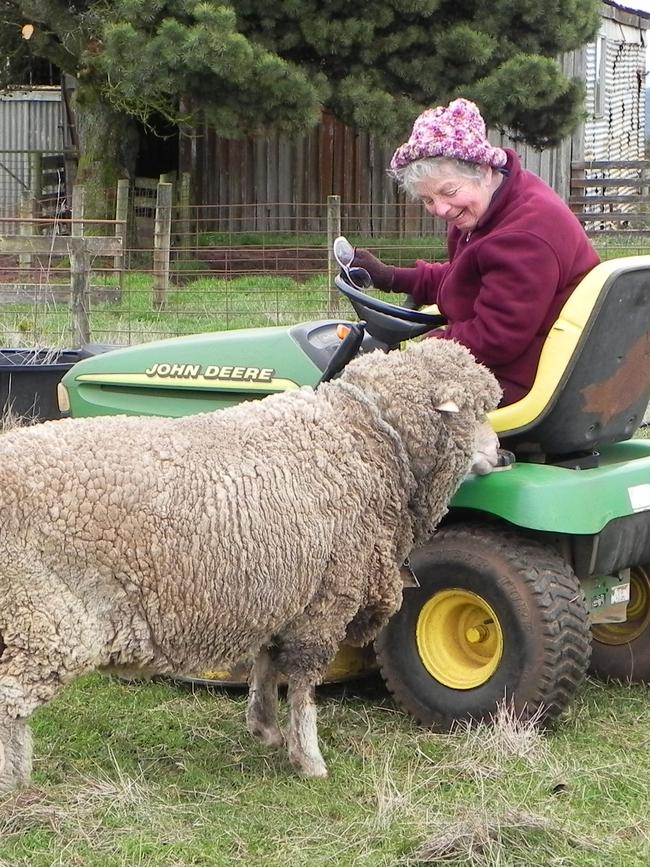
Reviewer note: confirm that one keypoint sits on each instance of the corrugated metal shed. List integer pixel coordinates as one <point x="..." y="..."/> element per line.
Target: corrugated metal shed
<point x="30" y="120"/>
<point x="615" y="76"/>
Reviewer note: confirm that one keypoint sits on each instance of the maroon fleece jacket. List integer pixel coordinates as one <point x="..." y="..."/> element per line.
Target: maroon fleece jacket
<point x="507" y="280"/>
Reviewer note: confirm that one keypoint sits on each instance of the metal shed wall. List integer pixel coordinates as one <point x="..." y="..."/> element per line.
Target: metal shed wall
<point x="30" y="120"/>
<point x="619" y="133"/>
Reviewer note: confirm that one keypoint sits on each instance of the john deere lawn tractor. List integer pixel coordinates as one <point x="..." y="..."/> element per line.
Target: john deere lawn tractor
<point x="534" y="570"/>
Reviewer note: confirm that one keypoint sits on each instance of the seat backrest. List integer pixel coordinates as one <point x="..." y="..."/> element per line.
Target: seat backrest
<point x="593" y="379"/>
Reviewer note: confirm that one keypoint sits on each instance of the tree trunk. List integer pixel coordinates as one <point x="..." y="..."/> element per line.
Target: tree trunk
<point x="108" y="144"/>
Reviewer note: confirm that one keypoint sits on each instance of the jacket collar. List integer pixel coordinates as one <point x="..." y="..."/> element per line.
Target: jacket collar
<point x="503" y="193"/>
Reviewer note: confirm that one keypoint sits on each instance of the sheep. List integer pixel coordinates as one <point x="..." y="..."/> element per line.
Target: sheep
<point x="269" y="532"/>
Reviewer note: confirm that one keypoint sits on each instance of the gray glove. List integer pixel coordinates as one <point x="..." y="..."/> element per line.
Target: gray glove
<point x="382" y="275"/>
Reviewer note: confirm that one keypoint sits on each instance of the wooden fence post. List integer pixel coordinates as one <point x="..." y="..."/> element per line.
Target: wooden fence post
<point x="121" y="227"/>
<point x="184" y="211"/>
<point x="78" y="204"/>
<point x="79" y="290"/>
<point x="333" y="231"/>
<point x="36" y="181"/>
<point x="161" y="245"/>
<point x="26" y="228"/>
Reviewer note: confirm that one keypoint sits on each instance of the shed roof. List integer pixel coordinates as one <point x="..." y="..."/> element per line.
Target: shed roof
<point x="626" y="14"/>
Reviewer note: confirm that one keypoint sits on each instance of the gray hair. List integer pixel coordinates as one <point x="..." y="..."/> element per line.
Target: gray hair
<point x="411" y="175"/>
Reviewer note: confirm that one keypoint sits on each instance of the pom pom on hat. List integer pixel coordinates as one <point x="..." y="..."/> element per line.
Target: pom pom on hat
<point x="456" y="131"/>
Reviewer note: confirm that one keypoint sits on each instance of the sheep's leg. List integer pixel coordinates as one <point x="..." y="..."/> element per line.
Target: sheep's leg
<point x="262" y="713"/>
<point x="15" y="753"/>
<point x="383" y="599"/>
<point x="302" y="742"/>
<point x="22" y="691"/>
<point x="47" y="653"/>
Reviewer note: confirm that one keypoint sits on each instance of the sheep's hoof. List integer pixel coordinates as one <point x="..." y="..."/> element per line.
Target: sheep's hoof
<point x="270" y="736"/>
<point x="309" y="766"/>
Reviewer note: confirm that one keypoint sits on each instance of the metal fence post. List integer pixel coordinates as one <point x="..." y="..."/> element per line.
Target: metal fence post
<point x="333" y="231"/>
<point x="161" y="243"/>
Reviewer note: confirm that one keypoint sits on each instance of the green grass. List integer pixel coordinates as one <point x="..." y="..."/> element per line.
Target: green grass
<point x="154" y="774"/>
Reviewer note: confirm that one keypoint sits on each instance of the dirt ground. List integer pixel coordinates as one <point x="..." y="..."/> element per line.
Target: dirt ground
<point x="298" y="262"/>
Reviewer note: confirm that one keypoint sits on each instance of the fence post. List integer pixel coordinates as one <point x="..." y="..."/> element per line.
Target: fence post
<point x="121" y="226"/>
<point x="78" y="204"/>
<point x="36" y="181"/>
<point x="79" y="286"/>
<point x="161" y="245"/>
<point x="26" y="227"/>
<point x="333" y="231"/>
<point x="184" y="211"/>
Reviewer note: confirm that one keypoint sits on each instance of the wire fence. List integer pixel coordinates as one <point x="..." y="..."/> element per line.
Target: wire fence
<point x="176" y="272"/>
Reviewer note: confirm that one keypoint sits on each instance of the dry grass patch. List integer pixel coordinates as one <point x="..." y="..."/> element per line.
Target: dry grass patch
<point x="484" y="838"/>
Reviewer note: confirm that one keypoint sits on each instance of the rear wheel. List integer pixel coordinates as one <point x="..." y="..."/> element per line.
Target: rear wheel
<point x="497" y="615"/>
<point x="621" y="651"/>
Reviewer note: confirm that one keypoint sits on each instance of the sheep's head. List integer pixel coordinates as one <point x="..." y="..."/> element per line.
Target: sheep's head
<point x="436" y="396"/>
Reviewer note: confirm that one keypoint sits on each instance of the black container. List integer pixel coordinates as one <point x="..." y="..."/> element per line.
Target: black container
<point x="29" y="377"/>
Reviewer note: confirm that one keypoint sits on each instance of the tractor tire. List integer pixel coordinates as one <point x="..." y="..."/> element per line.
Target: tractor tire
<point x="497" y="616"/>
<point x="621" y="651"/>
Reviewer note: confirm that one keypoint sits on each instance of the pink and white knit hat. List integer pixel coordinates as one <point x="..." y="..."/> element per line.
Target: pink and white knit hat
<point x="456" y="131"/>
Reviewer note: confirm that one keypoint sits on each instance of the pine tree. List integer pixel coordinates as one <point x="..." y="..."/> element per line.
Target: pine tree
<point x="256" y="64"/>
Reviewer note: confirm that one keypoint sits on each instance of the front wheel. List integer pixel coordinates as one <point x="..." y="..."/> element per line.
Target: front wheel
<point x="497" y="616"/>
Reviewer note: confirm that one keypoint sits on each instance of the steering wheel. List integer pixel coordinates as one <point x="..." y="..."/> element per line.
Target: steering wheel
<point x="363" y="300"/>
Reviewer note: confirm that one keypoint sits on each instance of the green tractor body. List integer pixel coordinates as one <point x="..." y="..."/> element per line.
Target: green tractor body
<point x="529" y="566"/>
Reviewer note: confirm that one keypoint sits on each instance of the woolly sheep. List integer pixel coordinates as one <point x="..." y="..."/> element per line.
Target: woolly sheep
<point x="269" y="532"/>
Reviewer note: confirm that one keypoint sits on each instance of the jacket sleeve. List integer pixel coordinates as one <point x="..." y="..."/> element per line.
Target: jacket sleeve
<point x="520" y="275"/>
<point x="421" y="282"/>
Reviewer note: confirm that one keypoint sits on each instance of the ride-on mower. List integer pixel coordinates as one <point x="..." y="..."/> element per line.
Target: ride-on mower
<point x="531" y="568"/>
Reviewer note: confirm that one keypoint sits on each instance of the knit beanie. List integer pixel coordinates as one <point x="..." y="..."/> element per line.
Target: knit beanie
<point x="456" y="131"/>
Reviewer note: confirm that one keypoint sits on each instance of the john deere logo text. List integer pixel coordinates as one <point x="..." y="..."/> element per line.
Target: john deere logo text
<point x="211" y="371"/>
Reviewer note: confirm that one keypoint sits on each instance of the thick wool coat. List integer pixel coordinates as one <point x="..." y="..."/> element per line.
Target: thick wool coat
<point x="505" y="282"/>
<point x="177" y="545"/>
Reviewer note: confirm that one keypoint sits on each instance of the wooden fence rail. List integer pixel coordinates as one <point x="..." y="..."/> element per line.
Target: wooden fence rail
<point x="612" y="196"/>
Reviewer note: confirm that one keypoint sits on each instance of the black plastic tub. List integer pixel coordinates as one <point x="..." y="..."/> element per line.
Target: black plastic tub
<point x="29" y="377"/>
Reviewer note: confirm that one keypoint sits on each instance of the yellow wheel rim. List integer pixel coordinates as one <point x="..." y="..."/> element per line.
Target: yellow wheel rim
<point x="459" y="639"/>
<point x="638" y="613"/>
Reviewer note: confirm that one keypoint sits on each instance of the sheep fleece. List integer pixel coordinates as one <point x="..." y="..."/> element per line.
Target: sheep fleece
<point x="174" y="545"/>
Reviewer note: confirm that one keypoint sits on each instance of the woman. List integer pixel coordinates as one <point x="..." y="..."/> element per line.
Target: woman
<point x="516" y="251"/>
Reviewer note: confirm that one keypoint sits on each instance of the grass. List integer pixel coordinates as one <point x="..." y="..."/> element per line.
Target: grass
<point x="156" y="774"/>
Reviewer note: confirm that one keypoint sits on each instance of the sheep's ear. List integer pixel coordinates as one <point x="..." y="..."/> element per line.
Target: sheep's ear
<point x="448" y="406"/>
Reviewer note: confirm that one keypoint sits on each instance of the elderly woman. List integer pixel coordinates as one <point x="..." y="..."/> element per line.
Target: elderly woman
<point x="516" y="251"/>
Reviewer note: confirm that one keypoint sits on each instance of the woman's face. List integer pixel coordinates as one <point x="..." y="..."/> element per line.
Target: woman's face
<point x="459" y="200"/>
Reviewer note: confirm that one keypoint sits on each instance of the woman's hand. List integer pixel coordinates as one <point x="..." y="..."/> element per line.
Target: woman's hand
<point x="382" y="275"/>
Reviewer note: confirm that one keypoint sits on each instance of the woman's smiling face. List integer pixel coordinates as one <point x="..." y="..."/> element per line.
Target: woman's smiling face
<point x="459" y="200"/>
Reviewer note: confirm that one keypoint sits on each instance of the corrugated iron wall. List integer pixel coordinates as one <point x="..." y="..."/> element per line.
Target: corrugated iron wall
<point x="619" y="132"/>
<point x="30" y="120"/>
